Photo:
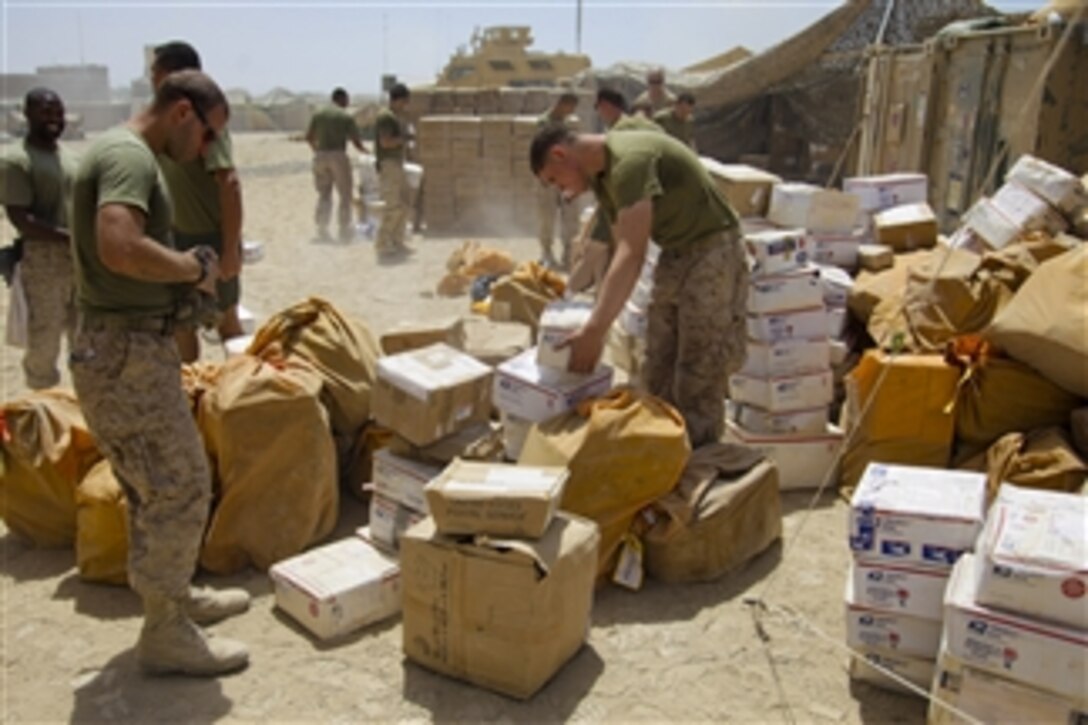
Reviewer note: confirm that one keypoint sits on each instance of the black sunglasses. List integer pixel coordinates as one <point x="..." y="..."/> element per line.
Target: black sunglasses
<point x="209" y="133"/>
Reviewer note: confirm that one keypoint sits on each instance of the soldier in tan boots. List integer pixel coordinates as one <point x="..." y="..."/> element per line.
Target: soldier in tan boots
<point x="126" y="368"/>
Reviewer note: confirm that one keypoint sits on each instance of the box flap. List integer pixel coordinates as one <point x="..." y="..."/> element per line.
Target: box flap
<point x="420" y="372"/>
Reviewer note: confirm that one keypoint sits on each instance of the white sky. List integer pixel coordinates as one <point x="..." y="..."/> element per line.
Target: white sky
<point x="313" y="46"/>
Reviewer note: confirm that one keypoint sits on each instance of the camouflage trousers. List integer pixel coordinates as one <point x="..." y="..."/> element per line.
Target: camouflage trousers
<point x="549" y="202"/>
<point x="397" y="200"/>
<point x="332" y="169"/>
<point x="129" y="387"/>
<point x="50" y="299"/>
<point x="695" y="335"/>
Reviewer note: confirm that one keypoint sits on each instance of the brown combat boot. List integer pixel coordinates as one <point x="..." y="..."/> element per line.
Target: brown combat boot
<point x="208" y="606"/>
<point x="170" y="643"/>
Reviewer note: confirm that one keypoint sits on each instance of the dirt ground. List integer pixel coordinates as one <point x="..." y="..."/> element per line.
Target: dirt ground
<point x="666" y="653"/>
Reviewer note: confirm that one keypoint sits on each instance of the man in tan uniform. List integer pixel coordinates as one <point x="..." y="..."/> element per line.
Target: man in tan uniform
<point x="126" y="370"/>
<point x="328" y="134"/>
<point x="677" y="122"/>
<point x="650" y="184"/>
<point x="207" y="207"/>
<point x="550" y="201"/>
<point x="391" y="138"/>
<point x="35" y="180"/>
<point x="656" y="95"/>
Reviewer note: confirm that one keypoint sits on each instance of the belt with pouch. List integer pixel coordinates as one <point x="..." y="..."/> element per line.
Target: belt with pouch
<point x="158" y="324"/>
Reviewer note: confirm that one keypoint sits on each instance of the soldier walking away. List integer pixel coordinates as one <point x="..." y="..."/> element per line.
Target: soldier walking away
<point x="125" y="366"/>
<point x="648" y="184"/>
<point x="611" y="108"/>
<point x="35" y="181"/>
<point x="391" y="139"/>
<point x="677" y="122"/>
<point x="207" y="200"/>
<point x="328" y="134"/>
<point x="656" y="96"/>
<point x="550" y="201"/>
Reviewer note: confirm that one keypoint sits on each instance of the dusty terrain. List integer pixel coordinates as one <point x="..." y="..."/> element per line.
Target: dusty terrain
<point x="667" y="653"/>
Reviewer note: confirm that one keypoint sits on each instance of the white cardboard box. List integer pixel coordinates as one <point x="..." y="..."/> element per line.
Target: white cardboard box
<point x="876" y="193"/>
<point x="893" y="631"/>
<point x="794" y="422"/>
<point x="836" y="284"/>
<point x="803" y="461"/>
<point x="558" y="321"/>
<point x="910" y="514"/>
<point x="914" y="590"/>
<point x="796" y="392"/>
<point x="837" y="250"/>
<point x="839" y="351"/>
<point x="796" y="325"/>
<point x="836" y="322"/>
<point x="794" y="290"/>
<point x="388" y="520"/>
<point x="916" y="670"/>
<point x="990" y="224"/>
<point x="786" y="357"/>
<point x="401" y="479"/>
<point x="990" y="698"/>
<point x="1026" y="210"/>
<point x="1050" y="182"/>
<point x="774" y="252"/>
<point x="533" y="393"/>
<point x="338" y="588"/>
<point x="810" y="207"/>
<point x="1042" y="655"/>
<point x="514" y="432"/>
<point x="1034" y="552"/>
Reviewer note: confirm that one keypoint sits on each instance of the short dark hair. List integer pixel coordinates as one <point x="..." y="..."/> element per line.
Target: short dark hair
<point x="686" y="97"/>
<point x="194" y="86"/>
<point x="40" y="95"/>
<point x="398" y="91"/>
<point x="339" y="93"/>
<point x="568" y="97"/>
<point x="174" y="56"/>
<point x="545" y="139"/>
<point x="613" y="97"/>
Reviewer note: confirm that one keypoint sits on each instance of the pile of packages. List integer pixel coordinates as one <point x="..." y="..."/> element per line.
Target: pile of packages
<point x="983" y="609"/>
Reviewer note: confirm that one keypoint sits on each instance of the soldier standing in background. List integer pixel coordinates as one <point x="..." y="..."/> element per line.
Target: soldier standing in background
<point x="677" y="120"/>
<point x="656" y="96"/>
<point x="35" y="180"/>
<point x="328" y="134"/>
<point x="390" y="143"/>
<point x="549" y="200"/>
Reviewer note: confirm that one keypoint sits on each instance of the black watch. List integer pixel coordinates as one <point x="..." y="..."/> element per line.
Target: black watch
<point x="204" y="255"/>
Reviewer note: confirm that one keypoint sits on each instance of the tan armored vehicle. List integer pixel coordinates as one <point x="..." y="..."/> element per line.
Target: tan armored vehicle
<point x="498" y="57"/>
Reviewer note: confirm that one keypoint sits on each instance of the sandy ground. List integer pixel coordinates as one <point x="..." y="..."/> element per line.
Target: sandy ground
<point x="676" y="653"/>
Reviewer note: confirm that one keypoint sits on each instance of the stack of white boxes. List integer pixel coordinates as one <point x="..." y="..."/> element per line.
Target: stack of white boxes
<point x="1015" y="645"/>
<point x="780" y="398"/>
<point x="828" y="217"/>
<point x="877" y="194"/>
<point x="397" y="499"/>
<point x="908" y="526"/>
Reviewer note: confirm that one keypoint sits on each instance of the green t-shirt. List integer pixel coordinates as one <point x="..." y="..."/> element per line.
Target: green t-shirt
<point x="647" y="165"/>
<point x="119" y="168"/>
<point x="388" y="124"/>
<point x="37" y="179"/>
<point x="682" y="131"/>
<point x="332" y="127"/>
<point x="602" y="230"/>
<point x="194" y="190"/>
<point x="668" y="100"/>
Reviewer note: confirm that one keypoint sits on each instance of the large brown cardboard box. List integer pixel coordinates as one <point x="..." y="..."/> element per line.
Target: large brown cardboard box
<point x="430" y="393"/>
<point x="907" y="227"/>
<point x="504" y="614"/>
<point x="746" y="188"/>
<point x="412" y="336"/>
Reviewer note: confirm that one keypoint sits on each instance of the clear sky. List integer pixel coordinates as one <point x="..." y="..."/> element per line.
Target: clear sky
<point x="313" y="46"/>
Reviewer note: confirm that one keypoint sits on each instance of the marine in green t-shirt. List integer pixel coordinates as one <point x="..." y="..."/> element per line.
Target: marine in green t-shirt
<point x="677" y="122"/>
<point x="331" y="128"/>
<point x="390" y="142"/>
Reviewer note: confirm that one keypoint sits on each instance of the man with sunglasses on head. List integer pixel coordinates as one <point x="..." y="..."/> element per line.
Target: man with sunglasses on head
<point x="656" y="96"/>
<point x="126" y="369"/>
<point x="207" y="206"/>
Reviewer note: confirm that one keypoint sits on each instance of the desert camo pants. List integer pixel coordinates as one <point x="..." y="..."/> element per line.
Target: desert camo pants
<point x="549" y="202"/>
<point x="50" y="300"/>
<point x="695" y="336"/>
<point x="332" y="169"/>
<point x="129" y="387"/>
<point x="397" y="201"/>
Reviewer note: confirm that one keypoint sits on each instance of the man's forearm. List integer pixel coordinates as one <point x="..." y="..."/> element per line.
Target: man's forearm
<point x="147" y="260"/>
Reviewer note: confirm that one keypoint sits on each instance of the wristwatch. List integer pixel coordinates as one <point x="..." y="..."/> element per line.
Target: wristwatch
<point x="204" y="254"/>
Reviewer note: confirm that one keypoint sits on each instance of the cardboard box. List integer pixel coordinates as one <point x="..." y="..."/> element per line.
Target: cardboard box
<point x="408" y="336"/>
<point x="430" y="393"/>
<point x="991" y="698"/>
<point x="836" y="250"/>
<point x="746" y="188"/>
<point x="514" y="432"/>
<point x="796" y="392"/>
<point x="874" y="257"/>
<point x="493" y="342"/>
<point x="876" y="193"/>
<point x="338" y="588"/>
<point x="835" y="284"/>
<point x="1034" y="555"/>
<point x="906" y="228"/>
<point x="803" y="206"/>
<point x="910" y="514"/>
<point x="1026" y="210"/>
<point x="795" y="325"/>
<point x="504" y="614"/>
<point x="785" y="291"/>
<point x="557" y="322"/>
<point x="401" y="479"/>
<point x="839" y="352"/>
<point x="794" y="422"/>
<point x="892" y="631"/>
<point x="773" y="252"/>
<point x="836" y="322"/>
<point x="786" y="357"/>
<point x="803" y="460"/>
<point x="1039" y="654"/>
<point x="917" y="591"/>
<point x="388" y="522"/>
<point x="499" y="499"/>
<point x="916" y="670"/>
<point x="990" y="224"/>
<point x="1049" y="182"/>
<point x="530" y="392"/>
